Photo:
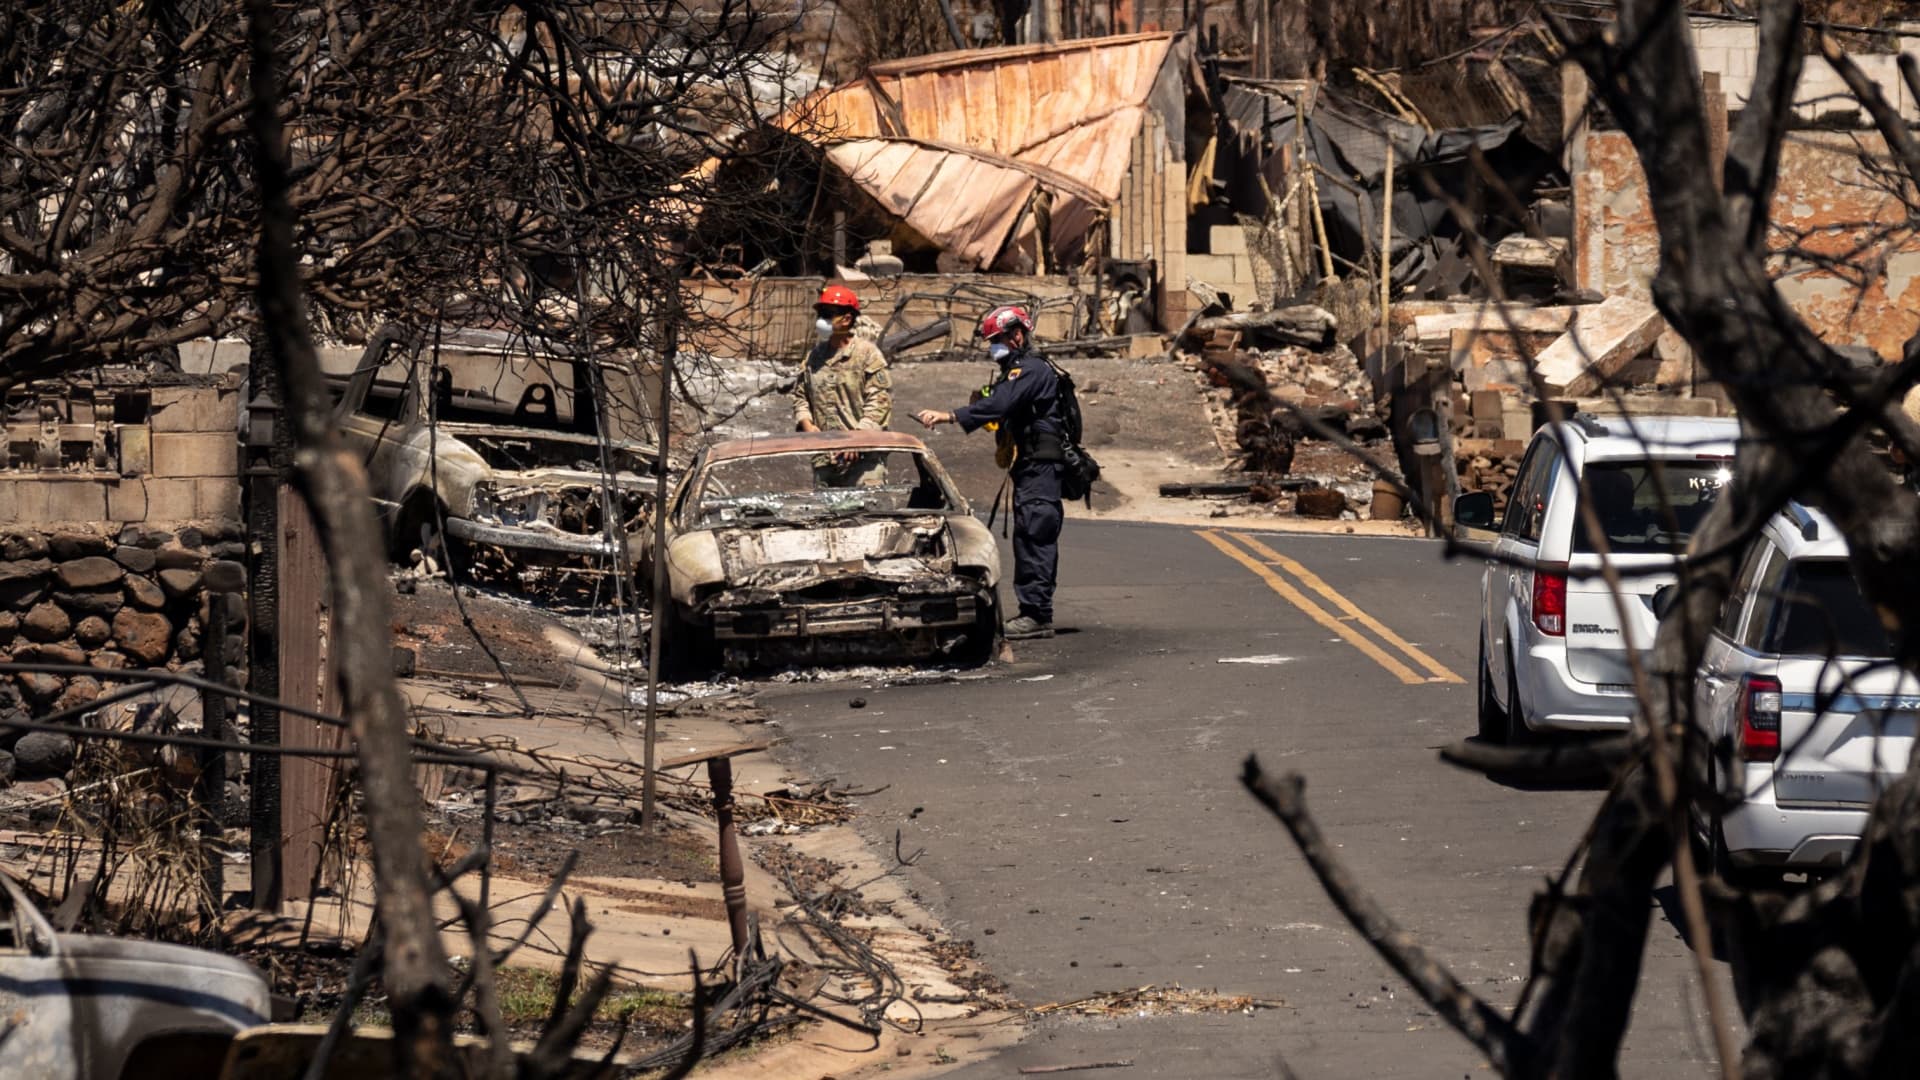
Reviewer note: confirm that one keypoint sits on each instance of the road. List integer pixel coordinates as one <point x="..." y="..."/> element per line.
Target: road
<point x="1085" y="827"/>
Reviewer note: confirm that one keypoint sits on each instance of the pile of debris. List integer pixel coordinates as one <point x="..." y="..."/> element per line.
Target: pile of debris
<point x="1494" y="371"/>
<point x="1489" y="465"/>
<point x="1287" y="404"/>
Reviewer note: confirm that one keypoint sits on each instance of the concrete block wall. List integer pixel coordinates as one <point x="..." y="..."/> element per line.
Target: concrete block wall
<point x="1229" y="267"/>
<point x="1730" y="49"/>
<point x="772" y="318"/>
<point x="180" y="462"/>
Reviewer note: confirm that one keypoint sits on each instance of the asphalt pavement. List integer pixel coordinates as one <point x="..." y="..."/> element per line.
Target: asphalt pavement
<point x="1084" y="824"/>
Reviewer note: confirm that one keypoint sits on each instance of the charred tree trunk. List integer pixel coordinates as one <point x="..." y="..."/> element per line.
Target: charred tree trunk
<point x="415" y="974"/>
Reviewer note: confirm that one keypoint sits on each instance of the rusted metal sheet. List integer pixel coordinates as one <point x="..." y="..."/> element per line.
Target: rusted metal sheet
<point x="974" y="133"/>
<point x="1004" y="101"/>
<point x="957" y="201"/>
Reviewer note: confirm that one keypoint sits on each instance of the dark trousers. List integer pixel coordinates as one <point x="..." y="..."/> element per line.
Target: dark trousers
<point x="1036" y="536"/>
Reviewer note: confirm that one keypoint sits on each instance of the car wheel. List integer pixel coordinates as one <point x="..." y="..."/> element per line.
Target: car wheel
<point x="1716" y="857"/>
<point x="983" y="637"/>
<point x="687" y="651"/>
<point x="1493" y="719"/>
<point x="1721" y="859"/>
<point x="1518" y="733"/>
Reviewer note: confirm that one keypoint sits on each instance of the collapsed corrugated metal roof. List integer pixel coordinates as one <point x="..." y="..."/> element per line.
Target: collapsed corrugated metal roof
<point x="963" y="201"/>
<point x="942" y="140"/>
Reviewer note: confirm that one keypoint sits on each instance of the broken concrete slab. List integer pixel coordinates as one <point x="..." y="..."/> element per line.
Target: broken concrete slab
<point x="1435" y="331"/>
<point x="1600" y="340"/>
<point x="1302" y="324"/>
<point x="1530" y="253"/>
<point x="1497" y="359"/>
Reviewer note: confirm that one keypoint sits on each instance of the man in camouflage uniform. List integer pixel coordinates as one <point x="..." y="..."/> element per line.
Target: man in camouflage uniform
<point x="844" y="385"/>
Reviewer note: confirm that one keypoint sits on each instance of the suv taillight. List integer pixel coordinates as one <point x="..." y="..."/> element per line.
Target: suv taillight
<point x="1760" y="718"/>
<point x="1550" y="599"/>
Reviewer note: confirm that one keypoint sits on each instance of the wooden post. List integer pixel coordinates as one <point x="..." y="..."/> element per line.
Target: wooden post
<point x="214" y="709"/>
<point x="1320" y="229"/>
<point x="733" y="878"/>
<point x="1263" y="56"/>
<point x="303" y="626"/>
<point x="1386" y="240"/>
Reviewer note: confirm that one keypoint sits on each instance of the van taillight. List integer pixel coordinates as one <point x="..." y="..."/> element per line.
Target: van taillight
<point x="1760" y="718"/>
<point x="1550" y="600"/>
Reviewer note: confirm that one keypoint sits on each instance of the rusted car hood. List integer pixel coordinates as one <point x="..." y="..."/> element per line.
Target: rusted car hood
<point x="792" y="556"/>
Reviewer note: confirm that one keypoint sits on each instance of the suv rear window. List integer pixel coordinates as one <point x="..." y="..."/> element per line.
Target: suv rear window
<point x="1820" y="611"/>
<point x="1649" y="507"/>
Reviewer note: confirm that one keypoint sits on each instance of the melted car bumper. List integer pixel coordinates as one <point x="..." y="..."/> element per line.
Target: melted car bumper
<point x="530" y="539"/>
<point x="872" y="616"/>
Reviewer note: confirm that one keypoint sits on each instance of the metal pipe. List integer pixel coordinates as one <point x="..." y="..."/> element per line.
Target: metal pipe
<point x="733" y="878"/>
<point x="662" y="600"/>
<point x="1386" y="241"/>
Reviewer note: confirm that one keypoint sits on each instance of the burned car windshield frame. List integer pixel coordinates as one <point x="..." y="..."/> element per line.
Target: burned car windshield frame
<point x="700" y="508"/>
<point x="540" y="405"/>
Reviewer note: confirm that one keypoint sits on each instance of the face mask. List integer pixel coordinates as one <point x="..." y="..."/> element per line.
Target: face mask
<point x="1000" y="351"/>
<point x="822" y="328"/>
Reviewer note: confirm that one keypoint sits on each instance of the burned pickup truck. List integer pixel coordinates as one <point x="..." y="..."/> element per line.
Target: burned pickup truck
<point x="490" y="448"/>
<point x="827" y="546"/>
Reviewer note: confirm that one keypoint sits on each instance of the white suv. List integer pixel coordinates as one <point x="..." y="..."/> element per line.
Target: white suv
<point x="1553" y="645"/>
<point x="1806" y="713"/>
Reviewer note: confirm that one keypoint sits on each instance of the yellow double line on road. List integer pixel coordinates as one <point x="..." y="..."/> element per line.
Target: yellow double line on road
<point x="1350" y="620"/>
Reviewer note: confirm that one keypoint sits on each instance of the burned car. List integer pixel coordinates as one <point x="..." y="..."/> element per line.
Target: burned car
<point x="490" y="447"/>
<point x="825" y="546"/>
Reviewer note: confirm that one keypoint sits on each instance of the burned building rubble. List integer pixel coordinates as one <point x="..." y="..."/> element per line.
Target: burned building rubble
<point x="1134" y="184"/>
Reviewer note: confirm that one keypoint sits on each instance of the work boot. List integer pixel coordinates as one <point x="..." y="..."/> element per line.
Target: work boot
<point x="1026" y="626"/>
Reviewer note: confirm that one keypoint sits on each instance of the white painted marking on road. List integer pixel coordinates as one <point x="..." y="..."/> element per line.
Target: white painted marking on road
<point x="1036" y="678"/>
<point x="1267" y="659"/>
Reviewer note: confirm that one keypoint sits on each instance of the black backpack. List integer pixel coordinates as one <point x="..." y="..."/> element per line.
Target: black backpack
<point x="1079" y="470"/>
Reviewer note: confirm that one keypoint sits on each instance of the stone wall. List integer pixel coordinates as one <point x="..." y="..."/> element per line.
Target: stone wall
<point x="115" y="598"/>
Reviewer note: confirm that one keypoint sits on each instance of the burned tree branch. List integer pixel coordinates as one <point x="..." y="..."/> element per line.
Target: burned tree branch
<point x="1560" y="763"/>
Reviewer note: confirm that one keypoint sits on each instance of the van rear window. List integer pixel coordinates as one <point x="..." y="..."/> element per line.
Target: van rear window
<point x="1648" y="507"/>
<point x="1820" y="611"/>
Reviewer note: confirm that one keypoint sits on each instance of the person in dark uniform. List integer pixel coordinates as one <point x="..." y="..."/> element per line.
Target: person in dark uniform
<point x="1025" y="405"/>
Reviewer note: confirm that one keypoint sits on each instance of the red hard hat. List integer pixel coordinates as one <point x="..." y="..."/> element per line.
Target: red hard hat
<point x="838" y="296"/>
<point x="1004" y="318"/>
